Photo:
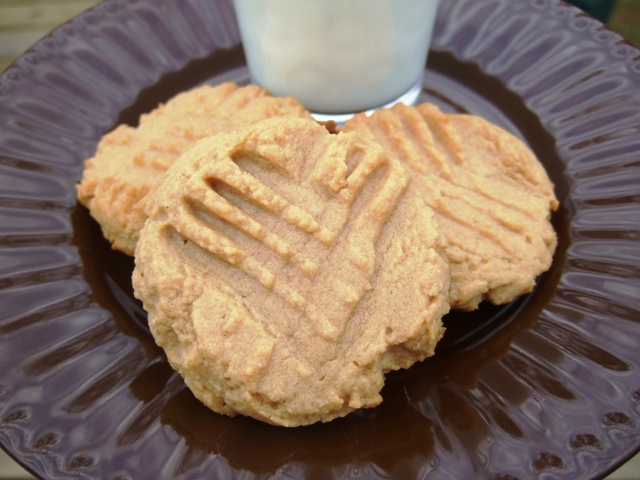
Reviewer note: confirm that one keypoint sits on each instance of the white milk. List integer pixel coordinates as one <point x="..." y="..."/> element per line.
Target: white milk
<point x="336" y="56"/>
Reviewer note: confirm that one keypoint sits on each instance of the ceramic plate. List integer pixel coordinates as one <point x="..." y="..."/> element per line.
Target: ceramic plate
<point x="546" y="387"/>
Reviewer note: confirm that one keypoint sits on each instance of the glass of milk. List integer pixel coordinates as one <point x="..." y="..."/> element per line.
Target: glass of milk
<point x="338" y="57"/>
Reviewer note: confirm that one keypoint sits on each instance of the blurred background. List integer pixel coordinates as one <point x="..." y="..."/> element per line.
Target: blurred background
<point x="24" y="22"/>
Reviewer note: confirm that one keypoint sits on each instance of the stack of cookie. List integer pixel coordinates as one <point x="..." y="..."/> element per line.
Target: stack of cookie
<point x="286" y="269"/>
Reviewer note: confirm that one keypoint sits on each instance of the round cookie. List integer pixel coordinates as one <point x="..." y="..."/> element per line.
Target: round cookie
<point x="492" y="197"/>
<point x="129" y="162"/>
<point x="286" y="270"/>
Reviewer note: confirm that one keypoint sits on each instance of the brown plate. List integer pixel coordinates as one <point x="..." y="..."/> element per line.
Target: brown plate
<point x="546" y="387"/>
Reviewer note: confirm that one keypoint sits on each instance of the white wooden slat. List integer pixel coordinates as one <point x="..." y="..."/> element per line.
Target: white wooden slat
<point x="36" y="15"/>
<point x="15" y="43"/>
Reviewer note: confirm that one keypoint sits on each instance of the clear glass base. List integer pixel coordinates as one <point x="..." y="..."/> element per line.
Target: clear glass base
<point x="408" y="98"/>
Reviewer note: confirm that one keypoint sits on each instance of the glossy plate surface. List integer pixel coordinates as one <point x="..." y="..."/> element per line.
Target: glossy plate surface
<point x="546" y="387"/>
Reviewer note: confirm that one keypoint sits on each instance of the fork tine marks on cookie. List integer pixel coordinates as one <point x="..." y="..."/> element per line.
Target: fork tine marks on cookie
<point x="344" y="168"/>
<point x="253" y="190"/>
<point x="236" y="218"/>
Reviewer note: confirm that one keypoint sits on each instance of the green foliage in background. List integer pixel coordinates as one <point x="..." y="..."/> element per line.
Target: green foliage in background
<point x="622" y="16"/>
<point x="625" y="19"/>
<point x="600" y="9"/>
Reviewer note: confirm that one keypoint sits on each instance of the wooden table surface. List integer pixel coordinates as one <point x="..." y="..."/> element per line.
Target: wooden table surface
<point x="24" y="22"/>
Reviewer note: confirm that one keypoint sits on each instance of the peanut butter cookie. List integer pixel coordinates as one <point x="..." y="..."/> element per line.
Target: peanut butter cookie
<point x="491" y="195"/>
<point x="286" y="270"/>
<point x="129" y="162"/>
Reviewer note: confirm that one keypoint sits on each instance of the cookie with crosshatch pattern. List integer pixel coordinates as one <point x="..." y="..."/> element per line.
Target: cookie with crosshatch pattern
<point x="285" y="270"/>
<point x="130" y="161"/>
<point x="491" y="195"/>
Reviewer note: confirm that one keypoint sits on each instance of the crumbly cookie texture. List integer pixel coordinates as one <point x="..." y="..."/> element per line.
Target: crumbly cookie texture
<point x="130" y="162"/>
<point x="286" y="270"/>
<point x="491" y="195"/>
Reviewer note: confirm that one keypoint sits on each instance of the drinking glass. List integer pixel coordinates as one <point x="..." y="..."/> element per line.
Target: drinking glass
<point x="338" y="57"/>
